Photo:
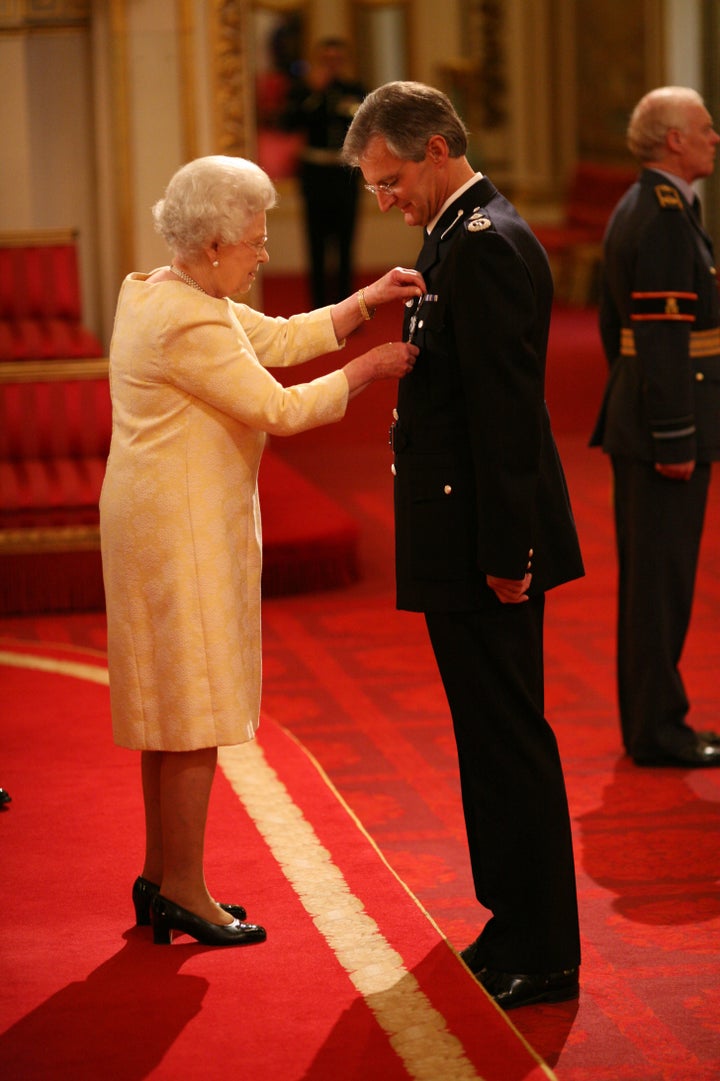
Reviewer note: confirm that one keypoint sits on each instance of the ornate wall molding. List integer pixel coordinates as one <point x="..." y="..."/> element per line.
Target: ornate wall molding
<point x="232" y="94"/>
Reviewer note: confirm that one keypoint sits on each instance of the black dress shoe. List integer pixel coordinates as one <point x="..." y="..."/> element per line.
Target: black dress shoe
<point x="5" y="798"/>
<point x="694" y="756"/>
<point x="143" y="892"/>
<point x="510" y="989"/>
<point x="473" y="956"/>
<point x="168" y="917"/>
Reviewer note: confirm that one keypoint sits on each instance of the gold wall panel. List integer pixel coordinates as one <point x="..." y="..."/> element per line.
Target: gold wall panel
<point x="32" y="14"/>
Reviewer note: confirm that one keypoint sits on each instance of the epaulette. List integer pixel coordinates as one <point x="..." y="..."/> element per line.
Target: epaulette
<point x="478" y="221"/>
<point x="668" y="197"/>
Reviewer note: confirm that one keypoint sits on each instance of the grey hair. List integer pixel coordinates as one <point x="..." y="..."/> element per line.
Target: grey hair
<point x="212" y="199"/>
<point x="655" y="115"/>
<point x="406" y="115"/>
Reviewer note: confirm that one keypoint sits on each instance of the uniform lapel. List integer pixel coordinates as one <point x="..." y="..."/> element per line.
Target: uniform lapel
<point x="477" y="195"/>
<point x="428" y="256"/>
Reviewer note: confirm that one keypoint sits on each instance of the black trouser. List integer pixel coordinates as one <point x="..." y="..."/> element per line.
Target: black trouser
<point x="513" y="790"/>
<point x="658" y="525"/>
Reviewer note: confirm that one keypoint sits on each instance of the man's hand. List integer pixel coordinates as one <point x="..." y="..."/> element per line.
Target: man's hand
<point x="510" y="590"/>
<point x="675" y="470"/>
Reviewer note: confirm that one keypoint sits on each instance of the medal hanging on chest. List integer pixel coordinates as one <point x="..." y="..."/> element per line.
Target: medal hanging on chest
<point x="415" y="321"/>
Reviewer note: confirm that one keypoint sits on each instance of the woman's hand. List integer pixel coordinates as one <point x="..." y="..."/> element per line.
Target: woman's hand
<point x="390" y="361"/>
<point x="393" y="360"/>
<point x="398" y="284"/>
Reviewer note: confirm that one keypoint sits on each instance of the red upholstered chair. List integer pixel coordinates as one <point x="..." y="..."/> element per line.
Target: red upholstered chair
<point x="55" y="426"/>
<point x="40" y="303"/>
<point x="574" y="245"/>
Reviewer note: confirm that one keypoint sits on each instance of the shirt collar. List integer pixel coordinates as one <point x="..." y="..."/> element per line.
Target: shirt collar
<point x="448" y="202"/>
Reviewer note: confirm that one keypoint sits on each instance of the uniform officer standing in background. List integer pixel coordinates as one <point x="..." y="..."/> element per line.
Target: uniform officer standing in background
<point x="321" y="105"/>
<point x="660" y="419"/>
<point x="483" y="524"/>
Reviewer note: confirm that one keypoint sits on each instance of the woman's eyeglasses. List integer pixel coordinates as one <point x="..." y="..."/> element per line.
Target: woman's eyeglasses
<point x="258" y="246"/>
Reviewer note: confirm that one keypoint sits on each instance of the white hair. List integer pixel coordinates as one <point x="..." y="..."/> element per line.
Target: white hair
<point x="655" y="115"/>
<point x="212" y="200"/>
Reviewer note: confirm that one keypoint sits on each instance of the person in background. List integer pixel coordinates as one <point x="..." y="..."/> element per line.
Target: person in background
<point x="321" y="104"/>
<point x="483" y="524"/>
<point x="180" y="520"/>
<point x="660" y="417"/>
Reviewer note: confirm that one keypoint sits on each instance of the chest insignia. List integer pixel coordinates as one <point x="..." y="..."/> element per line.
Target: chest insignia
<point x="478" y="221"/>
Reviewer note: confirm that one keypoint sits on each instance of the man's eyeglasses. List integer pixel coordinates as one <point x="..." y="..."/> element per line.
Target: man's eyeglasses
<point x="385" y="188"/>
<point x="258" y="246"/>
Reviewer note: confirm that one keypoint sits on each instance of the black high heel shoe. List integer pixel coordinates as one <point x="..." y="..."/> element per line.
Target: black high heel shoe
<point x="168" y="917"/>
<point x="143" y="892"/>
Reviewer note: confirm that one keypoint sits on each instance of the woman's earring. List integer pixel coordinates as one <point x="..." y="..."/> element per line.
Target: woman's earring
<point x="216" y="262"/>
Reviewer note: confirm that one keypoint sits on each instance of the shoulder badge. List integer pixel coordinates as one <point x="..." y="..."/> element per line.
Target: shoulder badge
<point x="668" y="197"/>
<point x="478" y="221"/>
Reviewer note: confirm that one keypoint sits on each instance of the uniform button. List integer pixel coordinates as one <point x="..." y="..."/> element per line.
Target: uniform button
<point x="393" y="470"/>
<point x="447" y="489"/>
<point x="713" y="270"/>
<point x="699" y="376"/>
<point x="395" y="415"/>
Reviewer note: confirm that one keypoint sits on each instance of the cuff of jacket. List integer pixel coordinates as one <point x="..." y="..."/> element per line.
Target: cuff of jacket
<point x="673" y="445"/>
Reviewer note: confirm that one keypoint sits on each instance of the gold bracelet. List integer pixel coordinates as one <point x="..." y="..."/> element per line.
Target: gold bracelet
<point x="366" y="314"/>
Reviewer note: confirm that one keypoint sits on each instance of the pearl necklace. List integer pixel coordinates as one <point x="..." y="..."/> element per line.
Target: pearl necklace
<point x="187" y="279"/>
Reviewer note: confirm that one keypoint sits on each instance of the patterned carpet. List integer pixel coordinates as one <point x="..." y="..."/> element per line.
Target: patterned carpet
<point x="354" y="681"/>
<point x="354" y="977"/>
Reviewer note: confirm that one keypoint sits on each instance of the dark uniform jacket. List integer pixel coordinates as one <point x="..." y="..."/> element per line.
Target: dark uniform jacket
<point x="478" y="481"/>
<point x="659" y="319"/>
<point x="324" y="115"/>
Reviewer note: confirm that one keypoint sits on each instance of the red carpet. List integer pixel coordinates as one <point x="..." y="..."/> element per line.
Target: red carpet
<point x="354" y="976"/>
<point x="354" y="681"/>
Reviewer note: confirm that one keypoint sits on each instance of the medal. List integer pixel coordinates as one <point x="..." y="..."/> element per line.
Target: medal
<point x="415" y="321"/>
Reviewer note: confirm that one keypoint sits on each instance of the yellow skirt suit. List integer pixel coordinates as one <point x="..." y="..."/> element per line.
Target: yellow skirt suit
<point x="179" y="513"/>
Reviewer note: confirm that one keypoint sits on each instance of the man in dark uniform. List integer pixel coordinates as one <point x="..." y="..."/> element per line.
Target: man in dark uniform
<point x="483" y="524"/>
<point x="321" y="105"/>
<point x="660" y="418"/>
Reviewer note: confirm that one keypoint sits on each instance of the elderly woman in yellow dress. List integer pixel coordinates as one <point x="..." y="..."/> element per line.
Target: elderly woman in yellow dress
<point x="180" y="519"/>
